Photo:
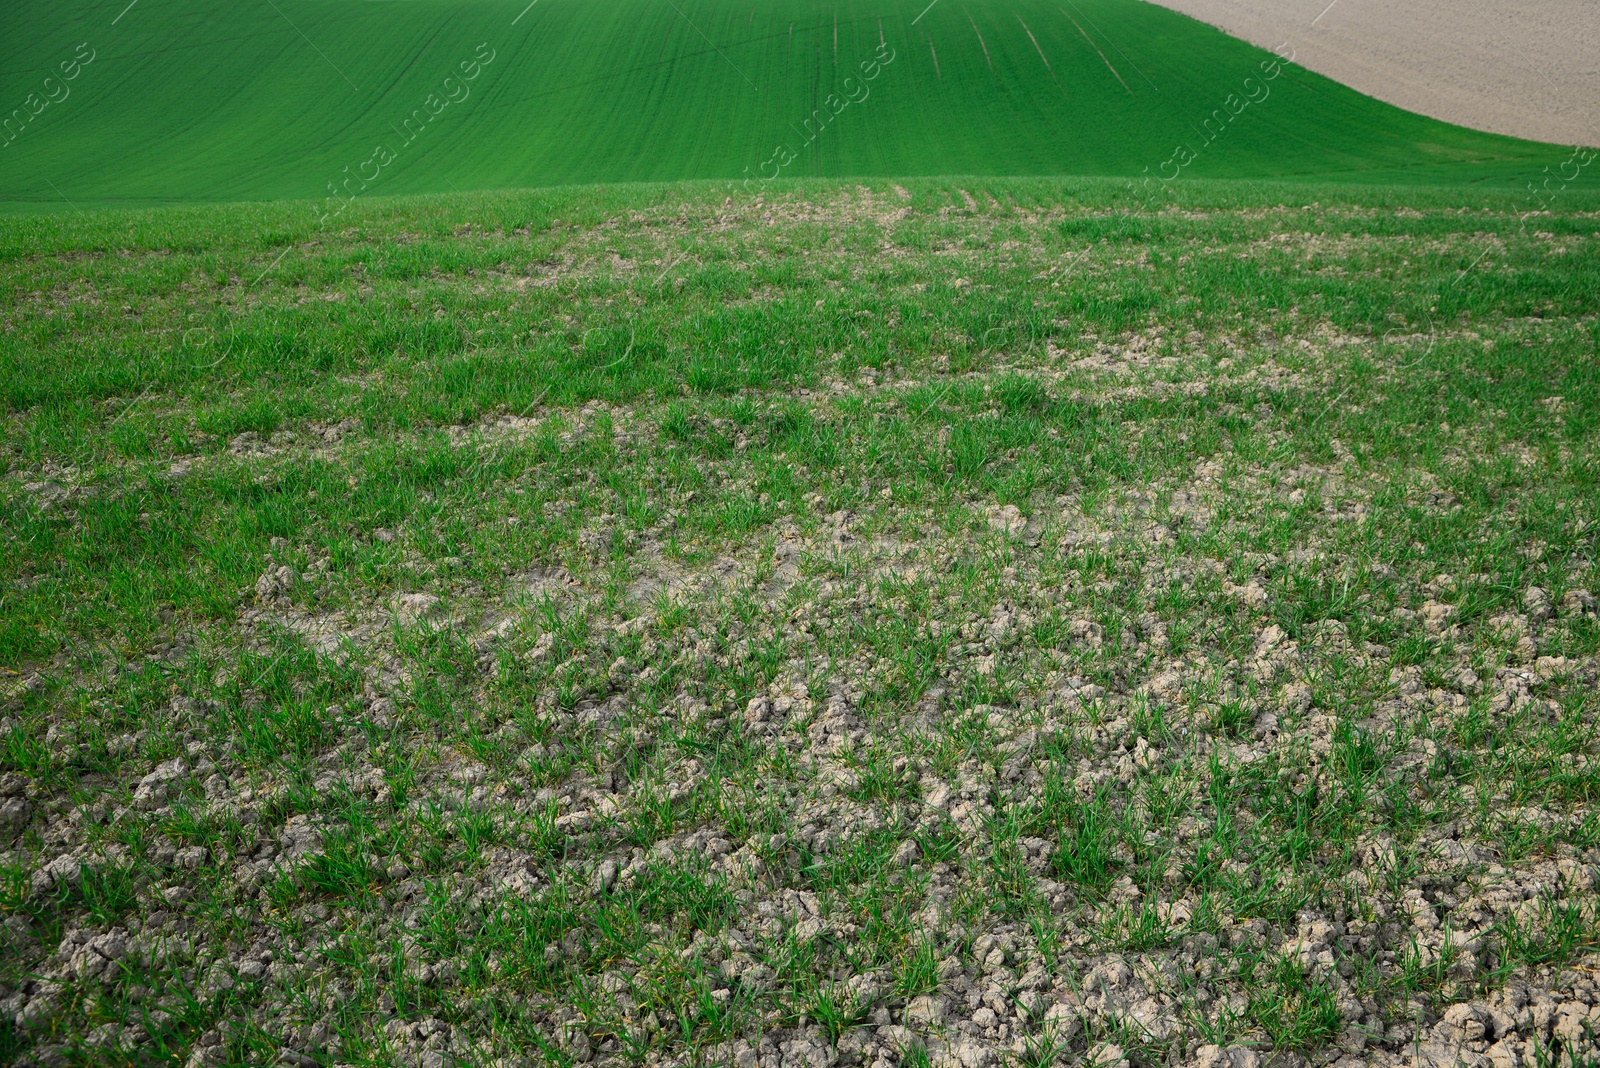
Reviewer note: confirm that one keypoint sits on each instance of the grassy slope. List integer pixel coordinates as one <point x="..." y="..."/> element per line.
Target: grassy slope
<point x="1377" y="430"/>
<point x="188" y="102"/>
<point x="454" y="308"/>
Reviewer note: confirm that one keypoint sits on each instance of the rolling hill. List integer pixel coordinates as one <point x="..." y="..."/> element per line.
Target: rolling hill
<point x="190" y="100"/>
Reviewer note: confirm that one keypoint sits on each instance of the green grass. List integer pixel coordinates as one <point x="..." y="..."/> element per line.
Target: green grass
<point x="746" y="712"/>
<point x="114" y="362"/>
<point x="192" y="102"/>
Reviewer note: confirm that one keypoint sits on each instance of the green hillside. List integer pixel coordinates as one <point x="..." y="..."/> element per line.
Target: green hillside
<point x="186" y="100"/>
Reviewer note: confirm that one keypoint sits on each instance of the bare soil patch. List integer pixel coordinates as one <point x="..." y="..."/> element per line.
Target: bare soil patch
<point x="1525" y="70"/>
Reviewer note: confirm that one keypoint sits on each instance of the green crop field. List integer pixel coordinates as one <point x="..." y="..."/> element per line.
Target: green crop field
<point x="195" y="101"/>
<point x="706" y="535"/>
<point x="896" y="624"/>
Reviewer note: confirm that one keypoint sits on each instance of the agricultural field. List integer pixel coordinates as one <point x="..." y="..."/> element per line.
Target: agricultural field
<point x="913" y="622"/>
<point x="939" y="535"/>
<point x="186" y="101"/>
